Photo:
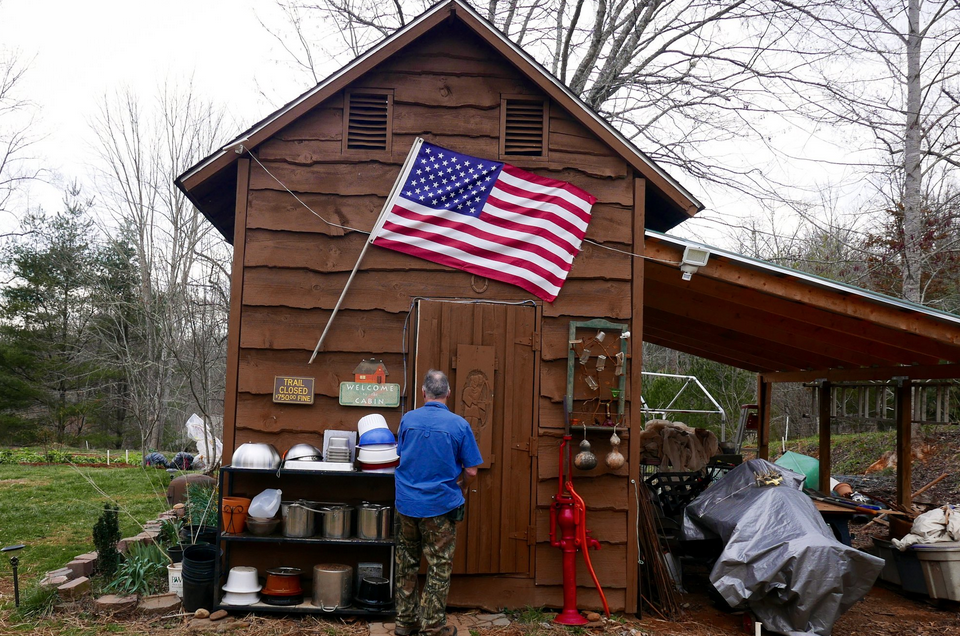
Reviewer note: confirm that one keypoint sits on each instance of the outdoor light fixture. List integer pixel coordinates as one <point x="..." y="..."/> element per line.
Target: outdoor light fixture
<point x="693" y="259"/>
<point x="14" y="561"/>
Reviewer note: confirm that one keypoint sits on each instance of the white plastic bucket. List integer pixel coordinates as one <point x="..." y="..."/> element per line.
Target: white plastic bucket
<point x="175" y="578"/>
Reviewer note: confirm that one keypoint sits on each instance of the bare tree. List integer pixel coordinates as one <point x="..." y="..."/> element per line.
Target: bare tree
<point x="16" y="123"/>
<point x="893" y="79"/>
<point x="142" y="150"/>
<point x="692" y="82"/>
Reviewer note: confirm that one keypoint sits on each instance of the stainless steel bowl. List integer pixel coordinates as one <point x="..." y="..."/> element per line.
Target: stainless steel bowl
<point x="256" y="455"/>
<point x="303" y="451"/>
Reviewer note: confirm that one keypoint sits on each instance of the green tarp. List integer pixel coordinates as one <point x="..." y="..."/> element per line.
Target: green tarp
<point x="803" y="464"/>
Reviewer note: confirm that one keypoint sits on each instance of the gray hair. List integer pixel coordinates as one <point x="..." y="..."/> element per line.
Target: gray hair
<point x="436" y="385"/>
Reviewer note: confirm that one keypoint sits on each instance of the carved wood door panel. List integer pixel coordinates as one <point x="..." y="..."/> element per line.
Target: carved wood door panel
<point x="489" y="353"/>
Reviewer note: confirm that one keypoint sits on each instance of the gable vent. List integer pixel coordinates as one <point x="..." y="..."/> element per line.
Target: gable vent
<point x="523" y="130"/>
<point x="368" y="121"/>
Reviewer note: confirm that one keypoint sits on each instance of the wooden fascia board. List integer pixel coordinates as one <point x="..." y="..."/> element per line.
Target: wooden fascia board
<point x="714" y="338"/>
<point x="880" y="374"/>
<point x="577" y="112"/>
<point x="919" y="330"/>
<point x="310" y="101"/>
<point x="777" y="331"/>
<point x="869" y="345"/>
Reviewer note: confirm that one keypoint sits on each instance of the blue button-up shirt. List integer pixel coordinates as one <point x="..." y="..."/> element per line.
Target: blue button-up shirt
<point x="435" y="446"/>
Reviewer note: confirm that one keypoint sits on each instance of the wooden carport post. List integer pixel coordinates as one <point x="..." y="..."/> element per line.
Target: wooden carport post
<point x="904" y="421"/>
<point x="823" y="395"/>
<point x="764" y="401"/>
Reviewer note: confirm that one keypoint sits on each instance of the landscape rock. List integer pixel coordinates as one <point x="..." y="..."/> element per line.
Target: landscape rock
<point x="218" y="615"/>
<point x="81" y="568"/>
<point x="593" y="617"/>
<point x="112" y="603"/>
<point x="159" y="604"/>
<point x="74" y="589"/>
<point x="67" y="572"/>
<point x="55" y="581"/>
<point x="202" y="613"/>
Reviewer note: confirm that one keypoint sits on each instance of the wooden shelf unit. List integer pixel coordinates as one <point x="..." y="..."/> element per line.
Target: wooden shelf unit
<point x="275" y="550"/>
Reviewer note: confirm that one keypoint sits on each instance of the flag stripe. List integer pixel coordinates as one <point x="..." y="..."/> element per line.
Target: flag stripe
<point x="566" y="189"/>
<point x="518" y="187"/>
<point x="448" y="252"/>
<point x="544" y="246"/>
<point x="473" y="268"/>
<point x="487" y="218"/>
<point x="565" y="233"/>
<point x="470" y="233"/>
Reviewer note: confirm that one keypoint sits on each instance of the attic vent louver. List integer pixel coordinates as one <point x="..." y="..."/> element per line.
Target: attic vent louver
<point x="368" y="121"/>
<point x="523" y="129"/>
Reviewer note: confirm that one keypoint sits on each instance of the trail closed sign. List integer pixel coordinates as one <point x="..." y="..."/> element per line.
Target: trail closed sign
<point x="292" y="390"/>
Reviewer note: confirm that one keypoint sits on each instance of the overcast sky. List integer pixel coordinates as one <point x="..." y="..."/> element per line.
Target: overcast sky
<point x="79" y="51"/>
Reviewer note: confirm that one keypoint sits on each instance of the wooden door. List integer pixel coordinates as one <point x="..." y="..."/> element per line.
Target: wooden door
<point x="489" y="353"/>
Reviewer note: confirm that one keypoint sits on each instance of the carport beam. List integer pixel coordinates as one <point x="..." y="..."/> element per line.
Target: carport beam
<point x="764" y="403"/>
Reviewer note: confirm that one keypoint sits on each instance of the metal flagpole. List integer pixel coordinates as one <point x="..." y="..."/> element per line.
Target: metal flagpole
<point x="404" y="173"/>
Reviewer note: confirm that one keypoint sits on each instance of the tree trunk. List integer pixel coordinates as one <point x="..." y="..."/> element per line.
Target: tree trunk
<point x="912" y="199"/>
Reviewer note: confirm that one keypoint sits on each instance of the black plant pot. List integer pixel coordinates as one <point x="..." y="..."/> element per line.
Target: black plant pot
<point x="199" y="534"/>
<point x="175" y="553"/>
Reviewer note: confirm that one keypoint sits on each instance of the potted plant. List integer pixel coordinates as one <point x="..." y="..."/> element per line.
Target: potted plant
<point x="200" y="519"/>
<point x="170" y="539"/>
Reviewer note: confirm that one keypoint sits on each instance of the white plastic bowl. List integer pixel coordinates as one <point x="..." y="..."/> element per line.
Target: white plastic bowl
<point x="366" y="455"/>
<point x="236" y="598"/>
<point x="372" y="421"/>
<point x="242" y="579"/>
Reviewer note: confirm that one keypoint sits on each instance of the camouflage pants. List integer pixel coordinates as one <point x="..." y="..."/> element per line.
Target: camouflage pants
<point x="435" y="538"/>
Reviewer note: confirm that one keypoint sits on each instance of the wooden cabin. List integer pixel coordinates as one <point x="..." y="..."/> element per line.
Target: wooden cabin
<point x="454" y="80"/>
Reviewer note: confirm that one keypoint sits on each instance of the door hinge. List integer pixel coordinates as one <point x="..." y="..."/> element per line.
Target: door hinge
<point x="529" y="535"/>
<point x="533" y="341"/>
<point x="529" y="446"/>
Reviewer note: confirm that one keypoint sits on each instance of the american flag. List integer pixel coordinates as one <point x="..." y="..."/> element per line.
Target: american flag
<point x="487" y="218"/>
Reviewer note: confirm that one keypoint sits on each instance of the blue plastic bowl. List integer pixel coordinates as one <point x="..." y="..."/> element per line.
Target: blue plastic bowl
<point x="377" y="436"/>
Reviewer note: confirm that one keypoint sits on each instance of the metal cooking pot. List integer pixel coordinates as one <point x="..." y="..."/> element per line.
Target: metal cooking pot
<point x="299" y="520"/>
<point x="336" y="521"/>
<point x="256" y="455"/>
<point x="373" y="521"/>
<point x="332" y="586"/>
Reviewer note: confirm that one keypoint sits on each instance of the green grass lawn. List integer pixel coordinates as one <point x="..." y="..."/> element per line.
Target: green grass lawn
<point x="52" y="509"/>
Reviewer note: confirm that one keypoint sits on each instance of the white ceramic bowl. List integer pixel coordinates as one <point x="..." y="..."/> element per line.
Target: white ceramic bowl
<point x="368" y="422"/>
<point x="367" y="455"/>
<point x="242" y="579"/>
<point x="236" y="598"/>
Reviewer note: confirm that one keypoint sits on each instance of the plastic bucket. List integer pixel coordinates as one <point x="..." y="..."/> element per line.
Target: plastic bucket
<point x="175" y="578"/>
<point x="199" y="564"/>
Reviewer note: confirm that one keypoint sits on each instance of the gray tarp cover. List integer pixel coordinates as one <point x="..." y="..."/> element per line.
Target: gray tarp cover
<point x="780" y="558"/>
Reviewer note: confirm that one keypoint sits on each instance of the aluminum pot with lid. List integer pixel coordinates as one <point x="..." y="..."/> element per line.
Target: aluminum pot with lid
<point x="373" y="521"/>
<point x="256" y="455"/>
<point x="300" y="519"/>
<point x="336" y="521"/>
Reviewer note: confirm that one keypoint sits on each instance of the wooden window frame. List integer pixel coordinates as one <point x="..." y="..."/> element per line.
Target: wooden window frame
<point x="514" y="158"/>
<point x="347" y="94"/>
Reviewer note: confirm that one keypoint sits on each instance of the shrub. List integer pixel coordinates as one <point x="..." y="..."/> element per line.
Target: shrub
<point x="106" y="533"/>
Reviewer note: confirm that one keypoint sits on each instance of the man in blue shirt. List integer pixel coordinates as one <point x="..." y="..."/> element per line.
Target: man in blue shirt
<point x="438" y="458"/>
